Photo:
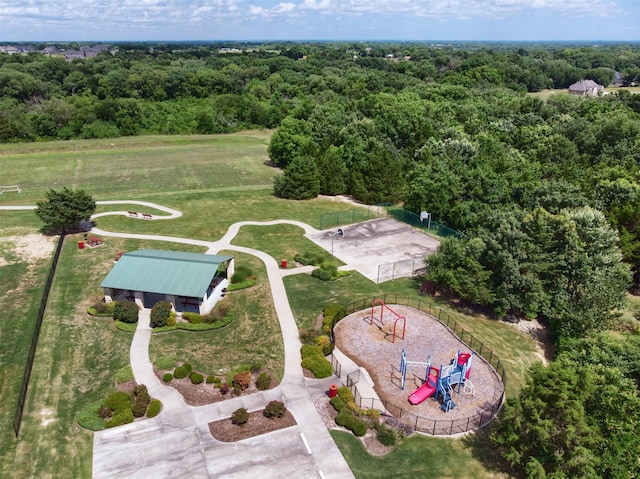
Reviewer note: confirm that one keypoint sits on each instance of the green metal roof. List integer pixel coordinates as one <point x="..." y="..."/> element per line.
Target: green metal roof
<point x="164" y="272"/>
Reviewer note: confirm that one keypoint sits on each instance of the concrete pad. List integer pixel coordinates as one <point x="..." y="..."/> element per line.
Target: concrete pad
<point x="367" y="246"/>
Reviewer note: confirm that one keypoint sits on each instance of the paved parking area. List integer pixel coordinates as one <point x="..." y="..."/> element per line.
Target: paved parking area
<point x="372" y="247"/>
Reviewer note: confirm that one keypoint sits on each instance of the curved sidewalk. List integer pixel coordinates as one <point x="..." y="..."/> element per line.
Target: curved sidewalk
<point x="177" y="443"/>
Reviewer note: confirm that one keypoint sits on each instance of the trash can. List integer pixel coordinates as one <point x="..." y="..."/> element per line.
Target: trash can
<point x="283" y="263"/>
<point x="80" y="244"/>
<point x="333" y="390"/>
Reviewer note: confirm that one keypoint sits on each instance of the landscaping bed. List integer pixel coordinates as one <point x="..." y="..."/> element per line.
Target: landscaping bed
<point x="225" y="431"/>
<point x="203" y="393"/>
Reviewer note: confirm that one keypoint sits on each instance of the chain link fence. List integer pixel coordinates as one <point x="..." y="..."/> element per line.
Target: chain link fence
<point x="355" y="215"/>
<point x="434" y="427"/>
<point x="407" y="268"/>
<point x="429" y="225"/>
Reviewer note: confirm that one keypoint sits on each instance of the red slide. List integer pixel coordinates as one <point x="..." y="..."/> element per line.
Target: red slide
<point x="427" y="389"/>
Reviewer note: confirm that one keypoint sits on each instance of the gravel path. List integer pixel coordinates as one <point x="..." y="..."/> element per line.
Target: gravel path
<point x="370" y="346"/>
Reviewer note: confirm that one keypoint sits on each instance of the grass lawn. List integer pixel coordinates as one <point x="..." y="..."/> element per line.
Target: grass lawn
<point x="254" y="336"/>
<point x="215" y="181"/>
<point x="281" y="241"/>
<point x="417" y="456"/>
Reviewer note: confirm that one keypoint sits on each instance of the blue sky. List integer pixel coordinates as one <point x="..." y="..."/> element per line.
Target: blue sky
<point x="470" y="20"/>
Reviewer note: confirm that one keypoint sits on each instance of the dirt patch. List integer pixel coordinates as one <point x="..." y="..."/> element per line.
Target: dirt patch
<point x="32" y="247"/>
<point x="225" y="431"/>
<point x="545" y="349"/>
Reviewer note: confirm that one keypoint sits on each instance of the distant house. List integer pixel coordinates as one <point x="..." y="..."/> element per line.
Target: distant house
<point x="189" y="281"/>
<point x="11" y="50"/>
<point x="585" y="87"/>
<point x="73" y="55"/>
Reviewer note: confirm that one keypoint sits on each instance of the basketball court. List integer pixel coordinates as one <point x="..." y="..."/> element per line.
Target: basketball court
<point x="380" y="249"/>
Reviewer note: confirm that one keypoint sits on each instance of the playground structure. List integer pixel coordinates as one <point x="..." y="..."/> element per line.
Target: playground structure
<point x="10" y="188"/>
<point x="398" y="317"/>
<point x="404" y="363"/>
<point x="440" y="383"/>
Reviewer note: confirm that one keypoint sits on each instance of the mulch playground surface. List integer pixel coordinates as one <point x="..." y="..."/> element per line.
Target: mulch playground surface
<point x="371" y="347"/>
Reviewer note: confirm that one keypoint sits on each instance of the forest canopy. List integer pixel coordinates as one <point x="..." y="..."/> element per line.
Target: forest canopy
<point x="449" y="129"/>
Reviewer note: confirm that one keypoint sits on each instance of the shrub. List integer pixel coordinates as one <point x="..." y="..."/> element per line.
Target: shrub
<point x="196" y="378"/>
<point x="387" y="436"/>
<point x="263" y="382"/>
<point x="119" y="418"/>
<point x="240" y="416"/>
<point x="210" y="379"/>
<point x="140" y="400"/>
<point x="346" y="419"/>
<point x="187" y="366"/>
<point x="171" y="321"/>
<point x="193" y="318"/>
<point x="217" y="381"/>
<point x="126" y="311"/>
<point x="309" y="258"/>
<point x="160" y="314"/>
<point x="319" y="366"/>
<point x="343" y="417"/>
<point x="241" y="273"/>
<point x="321" y="274"/>
<point x="358" y="427"/>
<point x="154" y="408"/>
<point x="242" y="380"/>
<point x="325" y="343"/>
<point x="180" y="372"/>
<point x="313" y="359"/>
<point x="274" y="409"/>
<point x="167" y="377"/>
<point x="372" y="413"/>
<point x="118" y="401"/>
<point x="332" y="313"/>
<point x="346" y="395"/>
<point x="224" y="389"/>
<point x="337" y="403"/>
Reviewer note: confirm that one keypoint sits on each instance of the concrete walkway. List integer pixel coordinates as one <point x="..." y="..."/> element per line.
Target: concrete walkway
<point x="177" y="443"/>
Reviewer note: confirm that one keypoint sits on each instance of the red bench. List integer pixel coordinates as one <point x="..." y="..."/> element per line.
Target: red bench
<point x="146" y="216"/>
<point x="132" y="213"/>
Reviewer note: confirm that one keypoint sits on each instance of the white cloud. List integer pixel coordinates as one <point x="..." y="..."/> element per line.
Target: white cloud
<point x="206" y="18"/>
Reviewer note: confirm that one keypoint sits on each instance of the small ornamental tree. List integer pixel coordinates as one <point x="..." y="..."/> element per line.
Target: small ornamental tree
<point x="64" y="210"/>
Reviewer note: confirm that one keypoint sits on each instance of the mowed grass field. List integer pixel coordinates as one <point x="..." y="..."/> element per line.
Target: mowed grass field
<point x="215" y="181"/>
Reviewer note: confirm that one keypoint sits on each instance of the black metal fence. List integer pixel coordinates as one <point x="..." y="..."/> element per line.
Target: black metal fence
<point x="17" y="418"/>
<point x="435" y="427"/>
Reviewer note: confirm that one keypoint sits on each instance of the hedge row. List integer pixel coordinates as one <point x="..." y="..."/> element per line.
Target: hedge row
<point x="313" y="359"/>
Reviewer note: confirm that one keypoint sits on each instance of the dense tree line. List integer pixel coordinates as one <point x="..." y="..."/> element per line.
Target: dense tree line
<point x="190" y="88"/>
<point x="546" y="192"/>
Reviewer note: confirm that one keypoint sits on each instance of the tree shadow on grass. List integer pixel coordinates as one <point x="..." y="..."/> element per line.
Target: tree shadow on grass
<point x="482" y="449"/>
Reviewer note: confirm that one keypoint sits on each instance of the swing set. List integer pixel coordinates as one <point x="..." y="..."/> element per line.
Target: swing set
<point x="398" y="317"/>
